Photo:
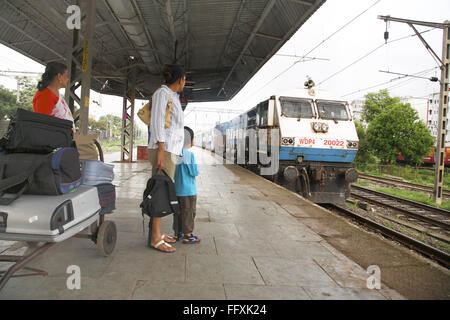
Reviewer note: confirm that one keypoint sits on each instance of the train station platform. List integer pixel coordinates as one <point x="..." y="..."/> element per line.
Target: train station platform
<point x="258" y="241"/>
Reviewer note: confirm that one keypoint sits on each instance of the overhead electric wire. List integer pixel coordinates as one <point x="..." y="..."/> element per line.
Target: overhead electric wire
<point x="368" y="54"/>
<point x="317" y="46"/>
<point x="390" y="81"/>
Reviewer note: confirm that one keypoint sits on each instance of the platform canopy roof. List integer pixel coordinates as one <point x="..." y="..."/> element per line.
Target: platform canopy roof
<point x="221" y="43"/>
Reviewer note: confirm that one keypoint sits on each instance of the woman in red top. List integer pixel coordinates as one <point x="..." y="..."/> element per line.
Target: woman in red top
<point x="47" y="99"/>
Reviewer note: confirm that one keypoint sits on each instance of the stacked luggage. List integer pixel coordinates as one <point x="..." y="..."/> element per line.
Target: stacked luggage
<point x="41" y="193"/>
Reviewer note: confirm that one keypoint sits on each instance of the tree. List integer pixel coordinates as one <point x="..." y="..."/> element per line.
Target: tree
<point x="8" y="98"/>
<point x="398" y="129"/>
<point x="364" y="154"/>
<point x="376" y="103"/>
<point x="8" y="105"/>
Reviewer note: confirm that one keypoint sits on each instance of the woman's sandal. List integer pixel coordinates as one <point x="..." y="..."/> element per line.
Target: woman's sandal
<point x="169" y="238"/>
<point x="156" y="246"/>
<point x="190" y="239"/>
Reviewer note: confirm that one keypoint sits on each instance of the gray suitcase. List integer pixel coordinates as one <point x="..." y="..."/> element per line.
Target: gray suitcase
<point x="96" y="172"/>
<point x="49" y="218"/>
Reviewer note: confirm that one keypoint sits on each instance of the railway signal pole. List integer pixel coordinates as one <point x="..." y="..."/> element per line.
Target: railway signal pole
<point x="443" y="101"/>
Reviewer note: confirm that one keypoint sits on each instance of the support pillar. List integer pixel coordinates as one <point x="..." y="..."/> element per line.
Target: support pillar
<point x="79" y="64"/>
<point x="127" y="137"/>
<point x="442" y="123"/>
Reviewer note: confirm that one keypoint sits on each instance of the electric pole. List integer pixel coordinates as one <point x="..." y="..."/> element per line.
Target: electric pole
<point x="443" y="100"/>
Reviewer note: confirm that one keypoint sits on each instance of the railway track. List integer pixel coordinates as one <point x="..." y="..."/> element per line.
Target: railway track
<point x="428" y="215"/>
<point x="429" y="251"/>
<point x="395" y="182"/>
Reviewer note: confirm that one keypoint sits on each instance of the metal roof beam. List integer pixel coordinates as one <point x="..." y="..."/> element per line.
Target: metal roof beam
<point x="29" y="20"/>
<point x="253" y="57"/>
<point x="147" y="32"/>
<point x="264" y="35"/>
<point x="171" y="19"/>
<point x="263" y="16"/>
<point x="122" y="28"/>
<point x="186" y="31"/>
<point x="306" y="3"/>
<point x="32" y="38"/>
<point x="236" y="19"/>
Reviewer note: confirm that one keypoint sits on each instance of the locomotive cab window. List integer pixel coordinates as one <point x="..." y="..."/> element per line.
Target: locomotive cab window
<point x="296" y="108"/>
<point x="332" y="110"/>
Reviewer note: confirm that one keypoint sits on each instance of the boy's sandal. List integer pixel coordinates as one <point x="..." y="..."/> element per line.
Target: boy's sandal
<point x="156" y="246"/>
<point x="178" y="237"/>
<point x="191" y="239"/>
<point x="169" y="238"/>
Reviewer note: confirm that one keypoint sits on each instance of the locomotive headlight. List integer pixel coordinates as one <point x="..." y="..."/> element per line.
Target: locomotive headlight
<point x="352" y="144"/>
<point x="324" y="127"/>
<point x="317" y="126"/>
<point x="287" y="141"/>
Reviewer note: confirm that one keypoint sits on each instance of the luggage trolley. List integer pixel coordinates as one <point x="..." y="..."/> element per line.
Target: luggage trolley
<point x="63" y="217"/>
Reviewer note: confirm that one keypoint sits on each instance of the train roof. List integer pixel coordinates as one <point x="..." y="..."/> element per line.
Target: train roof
<point x="315" y="94"/>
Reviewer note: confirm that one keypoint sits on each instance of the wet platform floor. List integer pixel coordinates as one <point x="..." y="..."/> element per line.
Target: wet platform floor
<point x="253" y="246"/>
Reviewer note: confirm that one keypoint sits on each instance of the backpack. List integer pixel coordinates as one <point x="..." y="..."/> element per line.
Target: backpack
<point x="159" y="198"/>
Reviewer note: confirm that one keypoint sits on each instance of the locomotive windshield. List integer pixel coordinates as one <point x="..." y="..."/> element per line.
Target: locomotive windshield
<point x="332" y="110"/>
<point x="296" y="108"/>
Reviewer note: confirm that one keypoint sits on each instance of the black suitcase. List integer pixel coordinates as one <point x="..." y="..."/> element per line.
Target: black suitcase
<point x="106" y="197"/>
<point x="33" y="132"/>
<point x="39" y="174"/>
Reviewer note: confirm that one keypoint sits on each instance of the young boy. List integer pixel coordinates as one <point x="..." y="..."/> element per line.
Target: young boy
<point x="185" y="173"/>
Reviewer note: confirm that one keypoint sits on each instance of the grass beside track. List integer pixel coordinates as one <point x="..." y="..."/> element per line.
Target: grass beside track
<point x="424" y="176"/>
<point x="409" y="195"/>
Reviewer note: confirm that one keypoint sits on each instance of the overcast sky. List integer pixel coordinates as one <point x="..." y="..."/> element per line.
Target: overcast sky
<point x="348" y="45"/>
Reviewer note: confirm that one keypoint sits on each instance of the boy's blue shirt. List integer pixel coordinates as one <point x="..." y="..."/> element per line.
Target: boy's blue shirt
<point x="185" y="174"/>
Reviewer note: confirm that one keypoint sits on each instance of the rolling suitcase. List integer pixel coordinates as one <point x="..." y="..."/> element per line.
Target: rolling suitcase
<point x="49" y="218"/>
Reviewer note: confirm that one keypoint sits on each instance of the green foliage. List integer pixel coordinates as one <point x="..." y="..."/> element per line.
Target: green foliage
<point x="364" y="154"/>
<point x="376" y="103"/>
<point x="111" y="125"/>
<point x="8" y="99"/>
<point x="419" y="175"/>
<point x="414" y="196"/>
<point x="397" y="129"/>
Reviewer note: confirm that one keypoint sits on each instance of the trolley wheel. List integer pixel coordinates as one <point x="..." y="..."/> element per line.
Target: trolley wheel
<point x="106" y="238"/>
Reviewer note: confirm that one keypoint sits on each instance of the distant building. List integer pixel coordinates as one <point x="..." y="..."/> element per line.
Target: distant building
<point x="433" y="114"/>
<point x="419" y="104"/>
<point x="428" y="110"/>
<point x="357" y="109"/>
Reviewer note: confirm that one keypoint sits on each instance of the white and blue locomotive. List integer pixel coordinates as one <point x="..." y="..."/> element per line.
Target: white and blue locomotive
<point x="318" y="141"/>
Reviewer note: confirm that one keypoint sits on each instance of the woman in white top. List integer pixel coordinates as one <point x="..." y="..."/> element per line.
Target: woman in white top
<point x="166" y="139"/>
